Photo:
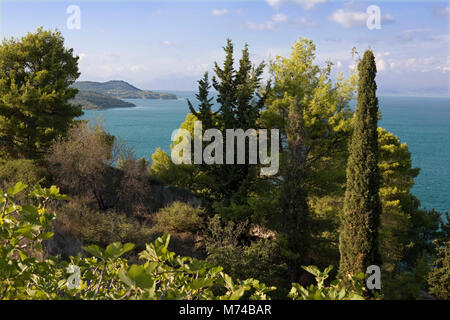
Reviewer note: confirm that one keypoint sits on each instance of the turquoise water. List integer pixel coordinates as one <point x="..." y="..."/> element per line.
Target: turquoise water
<point x="423" y="123"/>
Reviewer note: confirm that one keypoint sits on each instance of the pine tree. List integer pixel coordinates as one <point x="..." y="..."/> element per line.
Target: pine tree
<point x="36" y="73"/>
<point x="204" y="113"/>
<point x="239" y="106"/>
<point x="362" y="207"/>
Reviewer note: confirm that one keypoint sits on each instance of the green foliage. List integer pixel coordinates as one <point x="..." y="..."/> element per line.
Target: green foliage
<point x="259" y="259"/>
<point x="335" y="291"/>
<point x="111" y="252"/>
<point x="406" y="232"/>
<point x="36" y="72"/>
<point x="27" y="274"/>
<point x="313" y="117"/>
<point x="92" y="226"/>
<point x="439" y="277"/>
<point x="358" y="241"/>
<point x="22" y="231"/>
<point x="106" y="275"/>
<point x="265" y="228"/>
<point x="239" y="104"/>
<point x="165" y="171"/>
<point x="179" y="217"/>
<point x="28" y="171"/>
<point x="81" y="162"/>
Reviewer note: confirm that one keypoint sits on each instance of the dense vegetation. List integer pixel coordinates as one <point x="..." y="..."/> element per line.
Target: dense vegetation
<point x="358" y="241"/>
<point x="239" y="234"/>
<point x="91" y="100"/>
<point x="121" y="90"/>
<point x="36" y="73"/>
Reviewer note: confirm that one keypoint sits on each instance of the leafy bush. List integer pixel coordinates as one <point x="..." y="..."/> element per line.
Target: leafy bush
<point x="81" y="163"/>
<point x="439" y="276"/>
<point x="335" y="291"/>
<point x="104" y="276"/>
<point x="101" y="227"/>
<point x="259" y="260"/>
<point x="25" y="272"/>
<point x="24" y="170"/>
<point x="179" y="217"/>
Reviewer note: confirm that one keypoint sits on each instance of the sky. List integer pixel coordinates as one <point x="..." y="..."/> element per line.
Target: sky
<point x="168" y="45"/>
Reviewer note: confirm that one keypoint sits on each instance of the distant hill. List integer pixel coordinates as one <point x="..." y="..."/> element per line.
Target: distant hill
<point x="91" y="100"/>
<point x="121" y="90"/>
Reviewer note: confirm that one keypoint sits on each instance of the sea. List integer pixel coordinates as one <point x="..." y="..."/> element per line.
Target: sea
<point x="422" y="122"/>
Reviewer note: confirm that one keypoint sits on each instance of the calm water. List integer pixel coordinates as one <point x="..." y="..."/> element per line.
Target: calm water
<point x="423" y="123"/>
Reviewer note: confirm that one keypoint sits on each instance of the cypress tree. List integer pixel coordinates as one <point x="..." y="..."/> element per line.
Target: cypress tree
<point x="358" y="241"/>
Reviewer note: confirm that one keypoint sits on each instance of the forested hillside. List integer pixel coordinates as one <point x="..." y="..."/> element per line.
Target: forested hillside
<point x="121" y="90"/>
<point x="91" y="100"/>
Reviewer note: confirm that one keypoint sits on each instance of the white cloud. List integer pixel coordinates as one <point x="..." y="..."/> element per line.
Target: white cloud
<point x="276" y="20"/>
<point x="413" y="64"/>
<point x="380" y="60"/>
<point x="411" y="61"/>
<point x="387" y="18"/>
<point x="279" y="17"/>
<point x="219" y="12"/>
<point x="442" y="11"/>
<point x="422" y="35"/>
<point x="275" y="3"/>
<point x="167" y="43"/>
<point x="309" y="4"/>
<point x="81" y="56"/>
<point x="303" y="21"/>
<point x="349" y="19"/>
<point x="306" y="4"/>
<point x="267" y="25"/>
<point x="381" y="65"/>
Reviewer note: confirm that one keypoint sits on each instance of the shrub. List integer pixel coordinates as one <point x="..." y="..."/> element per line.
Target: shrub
<point x="28" y="171"/>
<point x="439" y="276"/>
<point x="81" y="163"/>
<point x="105" y="275"/>
<point x="179" y="217"/>
<point x="335" y="291"/>
<point x="227" y="244"/>
<point x="259" y="260"/>
<point x="77" y="219"/>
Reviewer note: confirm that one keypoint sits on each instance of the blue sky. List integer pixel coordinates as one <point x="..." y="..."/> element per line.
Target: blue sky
<point x="168" y="45"/>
